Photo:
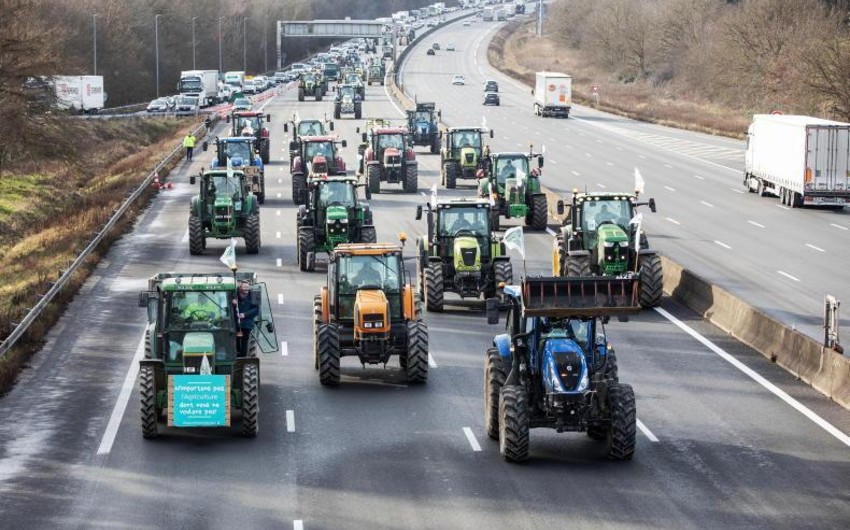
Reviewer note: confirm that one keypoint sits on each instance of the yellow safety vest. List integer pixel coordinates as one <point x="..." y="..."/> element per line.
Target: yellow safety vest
<point x="189" y="141"/>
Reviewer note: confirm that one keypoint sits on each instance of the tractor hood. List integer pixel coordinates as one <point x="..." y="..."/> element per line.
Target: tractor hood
<point x="337" y="213"/>
<point x="467" y="254"/>
<point x="613" y="249"/>
<point x="392" y="157"/>
<point x="563" y="364"/>
<point x="423" y="127"/>
<point x="468" y="157"/>
<point x="371" y="312"/>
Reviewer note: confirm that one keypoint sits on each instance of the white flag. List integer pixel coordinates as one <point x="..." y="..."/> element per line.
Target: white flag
<point x="206" y="369"/>
<point x="229" y="168"/>
<point x="639" y="183"/>
<point x="483" y="121"/>
<point x="637" y="220"/>
<point x="515" y="239"/>
<point x="229" y="256"/>
<point x="434" y="196"/>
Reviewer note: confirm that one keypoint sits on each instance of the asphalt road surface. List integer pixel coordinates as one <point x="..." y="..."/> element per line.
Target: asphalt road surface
<point x="726" y="439"/>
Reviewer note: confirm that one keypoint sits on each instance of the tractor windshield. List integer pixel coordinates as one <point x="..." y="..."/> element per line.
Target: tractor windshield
<point x="336" y="193"/>
<point x="374" y="271"/>
<point x="390" y="140"/>
<point x="250" y="122"/>
<point x="352" y="79"/>
<point x="319" y="148"/>
<point x="347" y="91"/>
<point x="511" y="167"/>
<point x="199" y="310"/>
<point x="309" y="78"/>
<point x="238" y="150"/>
<point x="594" y="213"/>
<point x="423" y="116"/>
<point x="577" y="330"/>
<point x="464" y="138"/>
<point x="310" y="128"/>
<point x="473" y="219"/>
<point x="224" y="186"/>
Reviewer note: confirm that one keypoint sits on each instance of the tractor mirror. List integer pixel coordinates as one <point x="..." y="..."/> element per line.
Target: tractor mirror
<point x="491" y="133"/>
<point x="192" y="180"/>
<point x="331" y="125"/>
<point x="368" y="193"/>
<point x="418" y="212"/>
<point x="293" y="145"/>
<point x="652" y="205"/>
<point x="492" y="311"/>
<point x="286" y="127"/>
<point x="560" y="207"/>
<point x="205" y="145"/>
<point x="344" y="143"/>
<point x="270" y="327"/>
<point x="143" y="298"/>
<point x="540" y="161"/>
<point x="364" y="138"/>
<point x="227" y="118"/>
<point x="268" y="118"/>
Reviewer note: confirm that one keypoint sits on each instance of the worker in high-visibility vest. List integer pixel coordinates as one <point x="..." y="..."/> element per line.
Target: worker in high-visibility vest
<point x="189" y="144"/>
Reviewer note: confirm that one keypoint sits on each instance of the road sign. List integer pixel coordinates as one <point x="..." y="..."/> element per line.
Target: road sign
<point x="199" y="400"/>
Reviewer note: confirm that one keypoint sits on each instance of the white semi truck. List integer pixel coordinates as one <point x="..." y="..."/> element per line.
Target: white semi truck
<point x="802" y="160"/>
<point x="201" y="83"/>
<point x="235" y="79"/>
<point x="553" y="94"/>
<point x="79" y="93"/>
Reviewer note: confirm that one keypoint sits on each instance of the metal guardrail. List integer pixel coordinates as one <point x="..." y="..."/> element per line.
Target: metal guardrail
<point x="61" y="283"/>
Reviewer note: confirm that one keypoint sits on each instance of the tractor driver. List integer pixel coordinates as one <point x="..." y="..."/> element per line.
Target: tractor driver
<point x="313" y="131"/>
<point x="367" y="275"/>
<point x="462" y="223"/>
<point x="246" y="313"/>
<point x="605" y="215"/>
<point x="508" y="171"/>
<point x="200" y="307"/>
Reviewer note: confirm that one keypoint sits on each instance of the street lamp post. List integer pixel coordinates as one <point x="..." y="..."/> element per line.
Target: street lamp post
<point x="244" y="44"/>
<point x="193" y="43"/>
<point x="156" y="45"/>
<point x="94" y="39"/>
<point x="265" y="48"/>
<point x="220" y="63"/>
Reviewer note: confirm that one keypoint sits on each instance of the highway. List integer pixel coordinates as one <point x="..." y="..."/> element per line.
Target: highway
<point x="717" y="447"/>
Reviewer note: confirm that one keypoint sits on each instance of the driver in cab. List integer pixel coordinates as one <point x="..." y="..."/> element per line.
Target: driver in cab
<point x="199" y="307"/>
<point x="462" y="223"/>
<point x="367" y="275"/>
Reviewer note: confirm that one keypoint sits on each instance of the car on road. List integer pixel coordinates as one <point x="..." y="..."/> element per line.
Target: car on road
<point x="458" y="79"/>
<point x="467" y="23"/>
<point x="242" y="104"/>
<point x="430" y="52"/>
<point x="450" y="47"/>
<point x="248" y="87"/>
<point x="159" y="105"/>
<point x="491" y="98"/>
<point x="187" y="105"/>
<point x="436" y="45"/>
<point x="491" y="86"/>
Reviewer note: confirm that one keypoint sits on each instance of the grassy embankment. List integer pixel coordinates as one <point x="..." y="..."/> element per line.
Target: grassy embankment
<point x="49" y="211"/>
<point x="517" y="52"/>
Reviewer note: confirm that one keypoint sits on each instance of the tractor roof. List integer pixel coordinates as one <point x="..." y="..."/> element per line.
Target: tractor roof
<point x="222" y="171"/>
<point x="326" y="138"/>
<point x="511" y="154"/>
<point x="466" y="201"/>
<point x="199" y="283"/>
<point x="389" y="130"/>
<point x="605" y="196"/>
<point x="426" y="106"/>
<point x="248" y="113"/>
<point x="366" y="249"/>
<point x="338" y="178"/>
<point x="237" y="139"/>
<point x="467" y="129"/>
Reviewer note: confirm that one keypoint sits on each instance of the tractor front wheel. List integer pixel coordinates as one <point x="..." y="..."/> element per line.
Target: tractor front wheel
<point x="368" y="235"/>
<point x="358" y="112"/>
<point x="621" y="436"/>
<point x="147" y="384"/>
<point x="300" y="94"/>
<point x="337" y="112"/>
<point x="451" y="170"/>
<point x="416" y="359"/>
<point x="299" y="188"/>
<point x="252" y="234"/>
<point x="411" y="179"/>
<point x="434" y="287"/>
<point x="513" y="424"/>
<point x="328" y="337"/>
<point x="250" y="400"/>
<point x="651" y="281"/>
<point x="576" y="266"/>
<point x="503" y="272"/>
<point x="435" y="144"/>
<point x="494" y="380"/>
<point x="306" y="245"/>
<point x="197" y="241"/>
<point x="317" y="321"/>
<point x="373" y="178"/>
<point x="538" y="215"/>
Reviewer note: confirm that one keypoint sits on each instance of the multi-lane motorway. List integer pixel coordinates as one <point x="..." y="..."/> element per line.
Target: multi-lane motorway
<point x="726" y="439"/>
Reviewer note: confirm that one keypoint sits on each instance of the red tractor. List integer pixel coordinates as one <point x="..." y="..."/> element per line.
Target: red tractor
<point x="252" y="123"/>
<point x="317" y="158"/>
<point x="387" y="155"/>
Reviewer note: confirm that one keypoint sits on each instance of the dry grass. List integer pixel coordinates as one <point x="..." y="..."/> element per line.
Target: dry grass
<point x="48" y="217"/>
<point x="519" y="53"/>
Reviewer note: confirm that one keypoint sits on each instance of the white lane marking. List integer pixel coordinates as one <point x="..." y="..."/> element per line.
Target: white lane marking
<point x="389" y="97"/>
<point x="297" y="524"/>
<point x="783" y="273"/>
<point x="610" y="163"/>
<point x="668" y="188"/>
<point x="755" y="224"/>
<point x="470" y="436"/>
<point x="668" y="166"/>
<point x="279" y="298"/>
<point x="601" y="185"/>
<point x="277" y="212"/>
<point x="707" y="204"/>
<point x="277" y="235"/>
<point x="551" y="232"/>
<point x="278" y="195"/>
<point x="185" y="238"/>
<point x="290" y="421"/>
<point x="552" y="161"/>
<point x="675" y="222"/>
<point x="431" y="362"/>
<point x="699" y="177"/>
<point x="815" y="248"/>
<point x="752" y="374"/>
<point x="588" y="155"/>
<point x="645" y="431"/>
<point x="121" y="404"/>
<point x="576" y="173"/>
<point x="722" y="244"/>
<point x="279" y="262"/>
<point x="641" y="156"/>
<point x="782" y="206"/>
<point x="838" y="226"/>
<point x="284" y="348"/>
<point x="736" y="190"/>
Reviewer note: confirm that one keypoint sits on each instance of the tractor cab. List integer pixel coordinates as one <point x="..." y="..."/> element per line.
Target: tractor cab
<point x="370" y="281"/>
<point x="463" y="154"/>
<point x="240" y="153"/>
<point x="423" y="123"/>
<point x="604" y="222"/>
<point x="244" y="121"/>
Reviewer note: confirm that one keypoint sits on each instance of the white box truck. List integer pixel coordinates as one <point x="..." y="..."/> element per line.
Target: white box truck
<point x="81" y="93"/>
<point x="804" y="161"/>
<point x="487" y="14"/>
<point x="553" y="94"/>
<point x="235" y="79"/>
<point x="201" y="83"/>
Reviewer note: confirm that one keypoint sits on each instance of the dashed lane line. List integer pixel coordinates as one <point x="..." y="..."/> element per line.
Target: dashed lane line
<point x="470" y="436"/>
<point x="675" y="222"/>
<point x="722" y="244"/>
<point x="646" y="432"/>
<point x="284" y="349"/>
<point x="814" y="247"/>
<point x="755" y="224"/>
<point x="290" y="421"/>
<point x="783" y="273"/>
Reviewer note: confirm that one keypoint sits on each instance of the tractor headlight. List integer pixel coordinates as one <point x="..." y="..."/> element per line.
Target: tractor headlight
<point x="608" y="244"/>
<point x="624" y="244"/>
<point x="584" y="383"/>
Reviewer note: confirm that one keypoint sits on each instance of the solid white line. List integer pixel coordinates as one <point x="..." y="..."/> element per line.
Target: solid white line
<point x="838" y="226"/>
<point x="755" y="224"/>
<point x="724" y="245"/>
<point x="551" y="232"/>
<point x="669" y="188"/>
<point x="699" y="177"/>
<point x="284" y="348"/>
<point x="781" y="394"/>
<point x="121" y="404"/>
<point x="600" y="185"/>
<point x="297" y="524"/>
<point x="290" y="421"/>
<point x="470" y="436"/>
<point x="389" y="97"/>
<point x="707" y="204"/>
<point x="431" y="362"/>
<point x="576" y="173"/>
<point x="645" y="431"/>
<point x="675" y="222"/>
<point x="279" y="298"/>
<point x="815" y="248"/>
<point x="788" y="276"/>
<point x="279" y="262"/>
<point x="277" y="235"/>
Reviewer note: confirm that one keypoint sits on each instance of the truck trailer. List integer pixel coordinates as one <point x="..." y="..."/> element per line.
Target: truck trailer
<point x="79" y="93"/>
<point x="553" y="94"/>
<point x="802" y="160"/>
<point x="201" y="83"/>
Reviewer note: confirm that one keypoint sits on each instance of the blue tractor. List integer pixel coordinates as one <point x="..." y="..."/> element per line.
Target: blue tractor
<point x="243" y="156"/>
<point x="424" y="125"/>
<point x="553" y="366"/>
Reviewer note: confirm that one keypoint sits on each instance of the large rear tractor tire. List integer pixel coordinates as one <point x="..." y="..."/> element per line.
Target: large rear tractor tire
<point x="538" y="215"/>
<point x="252" y="234"/>
<point x="435" y="145"/>
<point x="434" y="287"/>
<point x="328" y="338"/>
<point x="651" y="281"/>
<point x="337" y="112"/>
<point x="494" y="380"/>
<point x="503" y="271"/>
<point x="416" y="360"/>
<point x="450" y="170"/>
<point x="317" y="321"/>
<point x="250" y="400"/>
<point x="147" y="387"/>
<point x="513" y="424"/>
<point x="306" y="245"/>
<point x="621" y="437"/>
<point x="197" y="241"/>
<point x="411" y="179"/>
<point x="299" y="188"/>
<point x="368" y="234"/>
<point x="300" y="94"/>
<point x="577" y="266"/>
<point x="373" y="178"/>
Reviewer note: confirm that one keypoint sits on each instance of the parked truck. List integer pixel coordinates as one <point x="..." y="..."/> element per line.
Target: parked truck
<point x="79" y="93"/>
<point x="553" y="94"/>
<point x="201" y="83"/>
<point x="804" y="161"/>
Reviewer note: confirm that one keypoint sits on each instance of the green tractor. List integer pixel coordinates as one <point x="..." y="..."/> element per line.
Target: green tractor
<point x="460" y="254"/>
<point x="354" y="80"/>
<point x="193" y="373"/>
<point x="311" y="84"/>
<point x="598" y="239"/>
<point x="462" y="156"/>
<point x="225" y="208"/>
<point x="333" y="215"/>
<point x="513" y="189"/>
<point x="375" y="74"/>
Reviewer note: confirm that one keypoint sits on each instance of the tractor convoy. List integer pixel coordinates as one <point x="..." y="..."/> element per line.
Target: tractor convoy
<point x="553" y="367"/>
